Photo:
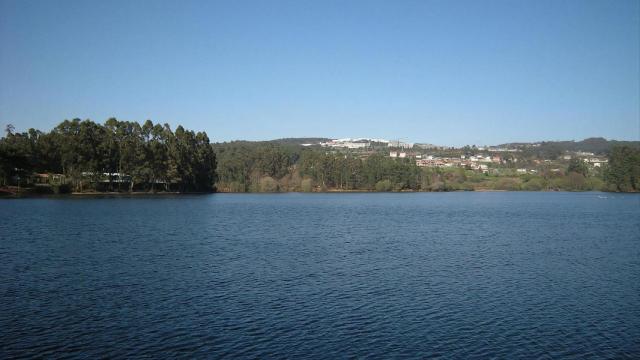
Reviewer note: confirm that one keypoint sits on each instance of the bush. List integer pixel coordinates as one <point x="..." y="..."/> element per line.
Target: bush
<point x="438" y="186"/>
<point x="44" y="189"/>
<point x="62" y="189"/>
<point x="465" y="186"/>
<point x="236" y="186"/>
<point x="383" y="185"/>
<point x="306" y="185"/>
<point x="576" y="181"/>
<point x="559" y="183"/>
<point x="268" y="184"/>
<point x="534" y="184"/>
<point x="292" y="182"/>
<point x="510" y="184"/>
<point x="594" y="183"/>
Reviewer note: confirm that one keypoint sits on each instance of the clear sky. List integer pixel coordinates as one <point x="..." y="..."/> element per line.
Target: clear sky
<point x="444" y="72"/>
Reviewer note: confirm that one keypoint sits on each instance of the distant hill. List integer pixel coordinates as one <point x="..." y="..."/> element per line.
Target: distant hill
<point x="283" y="141"/>
<point x="546" y="149"/>
<point x="300" y="141"/>
<point x="595" y="145"/>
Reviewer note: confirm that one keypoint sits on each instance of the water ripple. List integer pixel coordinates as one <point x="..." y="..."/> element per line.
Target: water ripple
<point x="492" y="275"/>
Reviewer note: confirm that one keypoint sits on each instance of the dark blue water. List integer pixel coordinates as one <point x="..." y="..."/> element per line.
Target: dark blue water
<point x="458" y="275"/>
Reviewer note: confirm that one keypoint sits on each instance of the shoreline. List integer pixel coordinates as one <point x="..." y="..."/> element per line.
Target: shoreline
<point x="96" y="194"/>
<point x="8" y="193"/>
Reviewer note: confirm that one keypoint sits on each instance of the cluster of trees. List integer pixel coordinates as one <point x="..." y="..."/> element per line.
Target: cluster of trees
<point x="271" y="166"/>
<point x="623" y="173"/>
<point x="149" y="156"/>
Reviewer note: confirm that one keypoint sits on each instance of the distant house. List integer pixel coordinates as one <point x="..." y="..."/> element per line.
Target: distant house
<point x="40" y="178"/>
<point x="400" y="144"/>
<point x="478" y="167"/>
<point x="430" y="163"/>
<point x="596" y="162"/>
<point x="106" y="178"/>
<point x="397" y="154"/>
<point x="355" y="145"/>
<point x="347" y="143"/>
<point x="426" y="146"/>
<point x="48" y="179"/>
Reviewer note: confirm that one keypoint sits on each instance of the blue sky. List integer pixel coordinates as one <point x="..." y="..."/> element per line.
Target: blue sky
<point x="444" y="72"/>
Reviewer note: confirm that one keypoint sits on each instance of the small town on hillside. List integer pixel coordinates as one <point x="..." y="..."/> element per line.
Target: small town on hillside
<point x="485" y="159"/>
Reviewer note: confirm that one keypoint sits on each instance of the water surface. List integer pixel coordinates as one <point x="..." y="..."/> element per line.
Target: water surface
<point x="463" y="275"/>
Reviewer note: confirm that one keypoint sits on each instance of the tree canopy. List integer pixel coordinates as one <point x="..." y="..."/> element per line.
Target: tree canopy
<point x="151" y="156"/>
<point x="624" y="168"/>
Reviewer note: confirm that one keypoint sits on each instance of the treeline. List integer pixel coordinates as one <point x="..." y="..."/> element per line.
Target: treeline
<point x="128" y="156"/>
<point x="554" y="149"/>
<point x="115" y="156"/>
<point x="268" y="166"/>
<point x="271" y="167"/>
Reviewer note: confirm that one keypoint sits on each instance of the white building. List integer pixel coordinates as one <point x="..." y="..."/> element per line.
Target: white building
<point x="346" y="143"/>
<point x="400" y="144"/>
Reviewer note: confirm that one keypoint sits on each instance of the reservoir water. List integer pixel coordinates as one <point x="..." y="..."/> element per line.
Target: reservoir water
<point x="416" y="275"/>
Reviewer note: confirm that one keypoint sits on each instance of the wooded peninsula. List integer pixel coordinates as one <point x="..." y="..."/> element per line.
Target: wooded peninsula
<point x="81" y="156"/>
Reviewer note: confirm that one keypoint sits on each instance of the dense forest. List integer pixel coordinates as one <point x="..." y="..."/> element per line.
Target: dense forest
<point x="116" y="156"/>
<point x="270" y="166"/>
<point x="123" y="156"/>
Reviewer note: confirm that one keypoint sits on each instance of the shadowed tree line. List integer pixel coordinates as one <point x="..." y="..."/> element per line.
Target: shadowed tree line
<point x="114" y="156"/>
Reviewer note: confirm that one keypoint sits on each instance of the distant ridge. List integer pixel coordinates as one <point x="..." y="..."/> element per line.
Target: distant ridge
<point x="596" y="145"/>
<point x="300" y="141"/>
<point x="282" y="141"/>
